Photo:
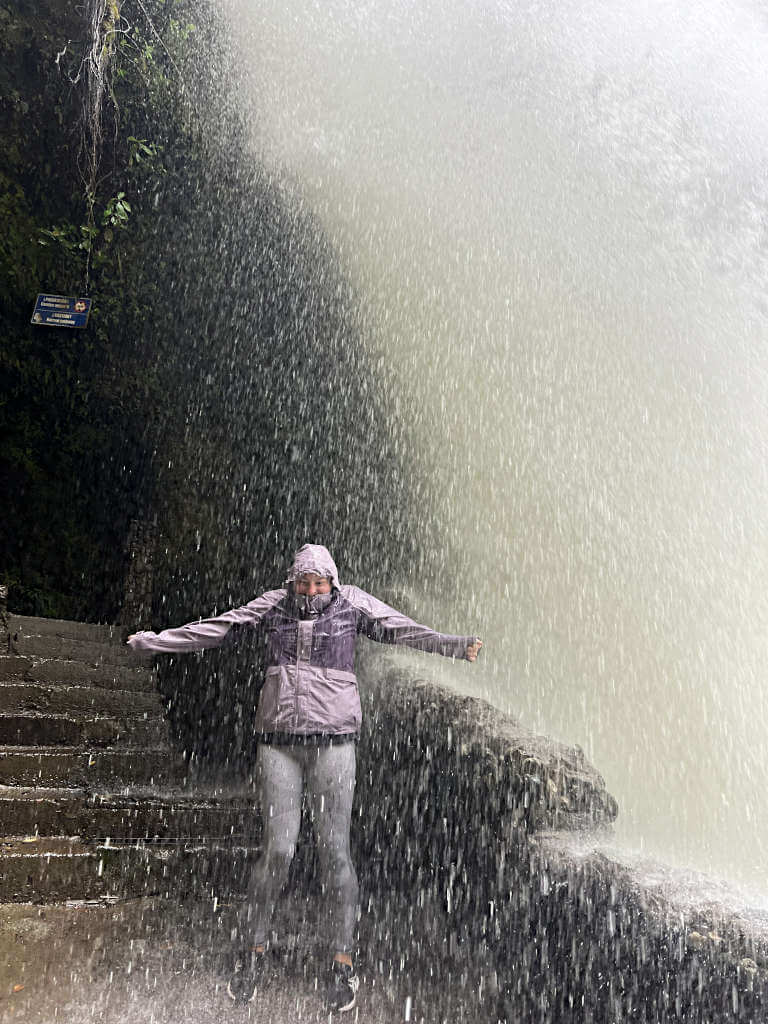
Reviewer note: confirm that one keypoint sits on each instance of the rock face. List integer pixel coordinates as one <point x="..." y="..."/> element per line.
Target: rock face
<point x="491" y="850"/>
<point x="529" y="779"/>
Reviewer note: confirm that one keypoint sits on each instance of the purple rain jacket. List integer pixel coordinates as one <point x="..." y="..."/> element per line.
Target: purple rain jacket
<point x="310" y="687"/>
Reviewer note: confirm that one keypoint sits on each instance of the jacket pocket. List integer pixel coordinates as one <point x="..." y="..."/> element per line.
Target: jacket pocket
<point x="331" y="702"/>
<point x="276" y="704"/>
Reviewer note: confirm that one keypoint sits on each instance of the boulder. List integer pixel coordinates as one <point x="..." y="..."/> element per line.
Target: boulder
<point x="487" y="854"/>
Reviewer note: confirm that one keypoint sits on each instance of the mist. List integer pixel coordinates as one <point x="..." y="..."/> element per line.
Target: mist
<point x="554" y="214"/>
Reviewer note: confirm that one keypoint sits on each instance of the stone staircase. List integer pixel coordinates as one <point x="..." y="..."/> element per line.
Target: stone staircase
<point x="95" y="802"/>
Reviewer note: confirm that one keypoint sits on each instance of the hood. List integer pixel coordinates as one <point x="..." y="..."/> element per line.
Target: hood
<point x="314" y="558"/>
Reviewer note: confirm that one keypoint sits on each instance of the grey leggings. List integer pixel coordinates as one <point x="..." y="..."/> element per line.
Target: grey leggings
<point x="329" y="775"/>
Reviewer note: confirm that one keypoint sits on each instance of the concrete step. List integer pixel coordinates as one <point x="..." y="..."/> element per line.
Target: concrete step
<point x="47" y="870"/>
<point x="35" y="729"/>
<point x="13" y="666"/>
<point x="32" y="625"/>
<point x="175" y="814"/>
<point x="87" y="651"/>
<point x="63" y="699"/>
<point x="75" y="767"/>
<point x="56" y="670"/>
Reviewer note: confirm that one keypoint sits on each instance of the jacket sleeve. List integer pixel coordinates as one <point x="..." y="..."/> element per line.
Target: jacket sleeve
<point x="197" y="636"/>
<point x="387" y="626"/>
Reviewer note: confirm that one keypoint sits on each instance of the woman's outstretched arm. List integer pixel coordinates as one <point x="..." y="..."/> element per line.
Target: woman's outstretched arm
<point x="389" y="626"/>
<point x="197" y="636"/>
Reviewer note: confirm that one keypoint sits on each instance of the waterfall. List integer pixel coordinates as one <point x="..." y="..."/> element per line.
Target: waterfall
<point x="555" y="214"/>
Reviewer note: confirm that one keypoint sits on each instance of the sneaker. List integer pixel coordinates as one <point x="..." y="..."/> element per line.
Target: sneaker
<point x="343" y="984"/>
<point x="247" y="975"/>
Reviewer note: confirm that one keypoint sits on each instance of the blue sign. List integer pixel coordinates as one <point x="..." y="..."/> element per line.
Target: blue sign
<point x="61" y="311"/>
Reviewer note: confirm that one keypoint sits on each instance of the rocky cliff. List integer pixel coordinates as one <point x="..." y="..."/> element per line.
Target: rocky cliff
<point x="491" y="849"/>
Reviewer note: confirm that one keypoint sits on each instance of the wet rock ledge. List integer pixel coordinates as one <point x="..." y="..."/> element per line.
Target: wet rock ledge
<point x="488" y="854"/>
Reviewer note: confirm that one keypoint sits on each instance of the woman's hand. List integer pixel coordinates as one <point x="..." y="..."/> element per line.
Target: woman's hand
<point x="474" y="649"/>
<point x="138" y="636"/>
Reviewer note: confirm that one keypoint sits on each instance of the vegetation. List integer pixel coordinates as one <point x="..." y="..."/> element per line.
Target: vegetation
<point x="221" y="389"/>
<point x="76" y="406"/>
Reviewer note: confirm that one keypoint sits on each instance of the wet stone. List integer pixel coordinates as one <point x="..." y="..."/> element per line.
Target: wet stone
<point x="502" y="840"/>
<point x="14" y="666"/>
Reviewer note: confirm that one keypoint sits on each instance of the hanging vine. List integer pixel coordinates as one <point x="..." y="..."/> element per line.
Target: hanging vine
<point x="103" y="17"/>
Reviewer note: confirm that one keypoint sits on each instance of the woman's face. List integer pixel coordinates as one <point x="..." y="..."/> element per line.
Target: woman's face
<point x="309" y="585"/>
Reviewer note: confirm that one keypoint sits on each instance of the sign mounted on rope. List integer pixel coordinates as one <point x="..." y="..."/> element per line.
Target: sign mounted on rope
<point x="61" y="311"/>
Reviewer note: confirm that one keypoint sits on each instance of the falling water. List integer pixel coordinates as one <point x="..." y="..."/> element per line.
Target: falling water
<point x="555" y="214"/>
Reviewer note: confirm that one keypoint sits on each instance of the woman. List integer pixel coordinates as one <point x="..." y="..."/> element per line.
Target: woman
<point x="307" y="722"/>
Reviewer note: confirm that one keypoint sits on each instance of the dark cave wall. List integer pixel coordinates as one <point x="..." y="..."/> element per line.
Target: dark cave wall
<point x="225" y="394"/>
